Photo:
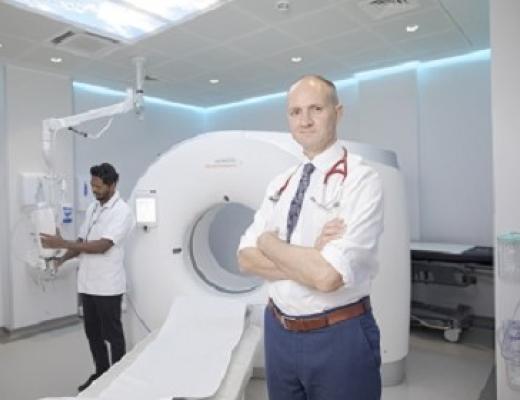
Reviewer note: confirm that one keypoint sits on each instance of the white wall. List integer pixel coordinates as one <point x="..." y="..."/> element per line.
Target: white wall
<point x="505" y="31"/>
<point x="4" y="220"/>
<point x="455" y="153"/>
<point x="269" y="115"/>
<point x="130" y="144"/>
<point x="389" y="118"/>
<point x="31" y="97"/>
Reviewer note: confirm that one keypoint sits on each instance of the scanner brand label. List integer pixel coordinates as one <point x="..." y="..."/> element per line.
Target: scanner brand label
<point x="225" y="162"/>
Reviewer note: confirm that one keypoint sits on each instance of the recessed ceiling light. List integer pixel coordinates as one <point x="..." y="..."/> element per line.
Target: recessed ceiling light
<point x="283" y="5"/>
<point x="1" y="45"/>
<point x="412" y="28"/>
<point x="56" y="60"/>
<point x="296" y="59"/>
<point x="214" y="81"/>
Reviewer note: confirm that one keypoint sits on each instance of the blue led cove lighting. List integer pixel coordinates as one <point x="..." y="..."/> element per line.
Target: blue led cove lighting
<point x="119" y="93"/>
<point x="167" y="103"/>
<point x="98" y="89"/>
<point x="480" y="55"/>
<point x="380" y="72"/>
<point x="246" y="102"/>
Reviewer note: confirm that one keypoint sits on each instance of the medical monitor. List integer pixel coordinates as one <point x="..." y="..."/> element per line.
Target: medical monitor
<point x="146" y="209"/>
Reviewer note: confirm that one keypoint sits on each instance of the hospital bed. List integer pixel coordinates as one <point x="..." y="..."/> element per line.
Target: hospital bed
<point x="458" y="266"/>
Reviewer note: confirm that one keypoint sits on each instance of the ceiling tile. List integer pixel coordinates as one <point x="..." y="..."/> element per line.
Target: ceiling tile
<point x="264" y="43"/>
<point x="125" y="56"/>
<point x="40" y="57"/>
<point x="351" y="8"/>
<point x="177" y="43"/>
<point x="27" y="25"/>
<point x="325" y="69"/>
<point x="472" y="16"/>
<point x="371" y="58"/>
<point x="448" y="41"/>
<point x="319" y="25"/>
<point x="429" y="22"/>
<point x="224" y="89"/>
<point x="267" y="11"/>
<point x="177" y="70"/>
<point x="13" y="47"/>
<point x="223" y="23"/>
<point x="105" y="70"/>
<point x="282" y="60"/>
<point x="217" y="58"/>
<point x="351" y="43"/>
<point x="280" y="84"/>
<point x="255" y="71"/>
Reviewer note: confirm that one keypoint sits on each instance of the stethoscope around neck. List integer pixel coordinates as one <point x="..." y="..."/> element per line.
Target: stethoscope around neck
<point x="340" y="167"/>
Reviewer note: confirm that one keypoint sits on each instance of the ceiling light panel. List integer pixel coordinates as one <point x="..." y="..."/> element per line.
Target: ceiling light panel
<point x="127" y="20"/>
<point x="175" y="11"/>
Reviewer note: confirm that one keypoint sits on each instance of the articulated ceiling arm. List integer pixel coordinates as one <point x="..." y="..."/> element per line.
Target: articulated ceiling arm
<point x="134" y="101"/>
<point x="52" y="126"/>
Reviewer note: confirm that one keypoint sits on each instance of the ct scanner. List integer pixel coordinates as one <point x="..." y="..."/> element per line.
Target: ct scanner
<point x="188" y="185"/>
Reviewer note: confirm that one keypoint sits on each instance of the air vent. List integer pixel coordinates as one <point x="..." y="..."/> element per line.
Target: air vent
<point x="380" y="9"/>
<point x="86" y="44"/>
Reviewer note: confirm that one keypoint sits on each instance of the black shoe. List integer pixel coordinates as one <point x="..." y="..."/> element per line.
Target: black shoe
<point x="88" y="382"/>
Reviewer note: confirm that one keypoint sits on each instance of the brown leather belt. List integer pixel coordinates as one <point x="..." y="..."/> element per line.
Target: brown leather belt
<point x="309" y="323"/>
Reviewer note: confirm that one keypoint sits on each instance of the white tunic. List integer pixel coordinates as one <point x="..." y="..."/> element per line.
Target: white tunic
<point x="104" y="274"/>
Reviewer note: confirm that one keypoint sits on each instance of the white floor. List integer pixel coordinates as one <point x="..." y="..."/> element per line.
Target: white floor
<point x="54" y="363"/>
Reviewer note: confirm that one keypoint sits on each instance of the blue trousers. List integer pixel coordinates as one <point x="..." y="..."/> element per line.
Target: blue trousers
<point x="339" y="362"/>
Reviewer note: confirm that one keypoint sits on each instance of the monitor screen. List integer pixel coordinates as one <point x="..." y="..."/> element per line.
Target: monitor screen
<point x="146" y="210"/>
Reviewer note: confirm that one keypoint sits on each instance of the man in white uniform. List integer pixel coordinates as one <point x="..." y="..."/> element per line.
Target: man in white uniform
<point x="315" y="240"/>
<point x="101" y="276"/>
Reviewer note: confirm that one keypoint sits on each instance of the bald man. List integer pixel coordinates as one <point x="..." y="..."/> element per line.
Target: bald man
<point x="314" y="239"/>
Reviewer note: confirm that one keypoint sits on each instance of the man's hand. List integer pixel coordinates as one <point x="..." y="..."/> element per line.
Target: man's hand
<point x="57" y="262"/>
<point x="332" y="230"/>
<point x="265" y="238"/>
<point x="52" y="241"/>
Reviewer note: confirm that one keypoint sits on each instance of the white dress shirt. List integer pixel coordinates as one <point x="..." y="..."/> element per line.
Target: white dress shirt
<point x="104" y="274"/>
<point x="354" y="255"/>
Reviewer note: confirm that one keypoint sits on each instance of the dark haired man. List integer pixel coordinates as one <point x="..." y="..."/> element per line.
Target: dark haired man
<point x="101" y="276"/>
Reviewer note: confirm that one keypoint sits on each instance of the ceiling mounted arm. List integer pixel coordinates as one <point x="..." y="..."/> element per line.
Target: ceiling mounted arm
<point x="134" y="100"/>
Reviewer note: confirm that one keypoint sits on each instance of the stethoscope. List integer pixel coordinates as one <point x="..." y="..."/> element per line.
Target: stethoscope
<point x="340" y="167"/>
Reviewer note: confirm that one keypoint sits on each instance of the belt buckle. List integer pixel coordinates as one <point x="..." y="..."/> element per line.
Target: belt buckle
<point x="284" y="320"/>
